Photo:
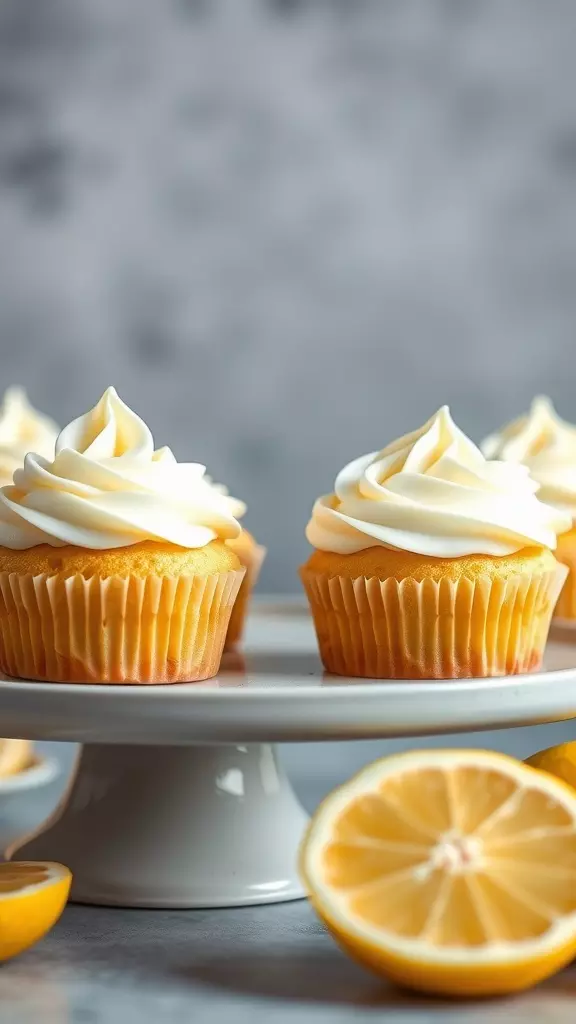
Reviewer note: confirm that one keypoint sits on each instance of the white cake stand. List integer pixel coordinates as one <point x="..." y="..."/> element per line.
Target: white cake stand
<point x="178" y="799"/>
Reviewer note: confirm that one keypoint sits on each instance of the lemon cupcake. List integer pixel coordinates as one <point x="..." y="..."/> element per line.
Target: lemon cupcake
<point x="546" y="444"/>
<point x="432" y="563"/>
<point x="251" y="555"/>
<point x="22" y="429"/>
<point x="114" y="562"/>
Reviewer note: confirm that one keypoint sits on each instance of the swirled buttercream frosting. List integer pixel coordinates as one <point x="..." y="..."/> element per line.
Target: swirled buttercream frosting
<point x="547" y="445"/>
<point x="434" y="493"/>
<point x="108" y="487"/>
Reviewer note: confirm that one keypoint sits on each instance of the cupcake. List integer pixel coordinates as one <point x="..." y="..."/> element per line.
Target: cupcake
<point x="114" y="561"/>
<point x="546" y="444"/>
<point x="22" y="430"/>
<point x="251" y="555"/>
<point x="432" y="563"/>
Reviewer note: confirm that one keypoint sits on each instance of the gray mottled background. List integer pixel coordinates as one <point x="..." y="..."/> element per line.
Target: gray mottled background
<point x="287" y="231"/>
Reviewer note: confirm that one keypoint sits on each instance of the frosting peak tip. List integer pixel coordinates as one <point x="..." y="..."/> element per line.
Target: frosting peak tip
<point x="542" y="403"/>
<point x="15" y="393"/>
<point x="443" y="415"/>
<point x="110" y="395"/>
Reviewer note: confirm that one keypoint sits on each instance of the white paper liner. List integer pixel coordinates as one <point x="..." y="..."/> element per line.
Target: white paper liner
<point x="432" y="630"/>
<point x="240" y="610"/>
<point x="160" y="629"/>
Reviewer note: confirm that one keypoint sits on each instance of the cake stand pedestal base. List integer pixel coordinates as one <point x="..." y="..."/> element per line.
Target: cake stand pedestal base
<point x="153" y="826"/>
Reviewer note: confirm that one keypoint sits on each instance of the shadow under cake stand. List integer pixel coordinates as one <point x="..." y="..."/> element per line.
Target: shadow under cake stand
<point x="178" y="798"/>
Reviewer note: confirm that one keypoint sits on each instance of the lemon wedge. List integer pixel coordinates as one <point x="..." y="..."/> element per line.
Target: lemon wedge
<point x="32" y="898"/>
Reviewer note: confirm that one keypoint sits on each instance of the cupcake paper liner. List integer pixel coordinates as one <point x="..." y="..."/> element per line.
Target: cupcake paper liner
<point x="240" y="609"/>
<point x="407" y="629"/>
<point x="565" y="610"/>
<point x="161" y="629"/>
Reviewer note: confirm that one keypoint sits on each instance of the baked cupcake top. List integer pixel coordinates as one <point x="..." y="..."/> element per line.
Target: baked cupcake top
<point x="22" y="429"/>
<point x="433" y="492"/>
<point x="107" y="487"/>
<point x="547" y="445"/>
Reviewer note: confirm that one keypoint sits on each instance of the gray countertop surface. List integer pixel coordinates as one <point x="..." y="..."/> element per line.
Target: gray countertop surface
<point x="269" y="963"/>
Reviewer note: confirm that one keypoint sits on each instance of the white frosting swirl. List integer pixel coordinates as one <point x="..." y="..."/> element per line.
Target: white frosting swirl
<point x="22" y="429"/>
<point x="237" y="508"/>
<point x="547" y="445"/>
<point x="433" y="492"/>
<point x="108" y="488"/>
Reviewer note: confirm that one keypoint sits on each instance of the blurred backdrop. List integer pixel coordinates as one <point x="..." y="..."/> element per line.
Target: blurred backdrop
<point x="287" y="231"/>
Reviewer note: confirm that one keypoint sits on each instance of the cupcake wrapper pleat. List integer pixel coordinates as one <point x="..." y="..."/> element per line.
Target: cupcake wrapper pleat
<point x="240" y="609"/>
<point x="390" y="629"/>
<point x="565" y="609"/>
<point x="161" y="629"/>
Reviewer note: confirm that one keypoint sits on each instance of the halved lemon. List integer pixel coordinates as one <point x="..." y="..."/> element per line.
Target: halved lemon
<point x="15" y="756"/>
<point x="449" y="871"/>
<point x="32" y="898"/>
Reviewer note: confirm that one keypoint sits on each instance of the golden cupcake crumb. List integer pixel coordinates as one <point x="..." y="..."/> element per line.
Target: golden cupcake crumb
<point x="148" y="558"/>
<point x="387" y="563"/>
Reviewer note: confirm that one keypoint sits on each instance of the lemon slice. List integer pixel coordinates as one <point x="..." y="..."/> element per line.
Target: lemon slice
<point x="32" y="898"/>
<point x="450" y="871"/>
<point x="15" y="756"/>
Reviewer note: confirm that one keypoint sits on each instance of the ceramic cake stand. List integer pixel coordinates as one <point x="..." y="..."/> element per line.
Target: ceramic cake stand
<point x="178" y="798"/>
